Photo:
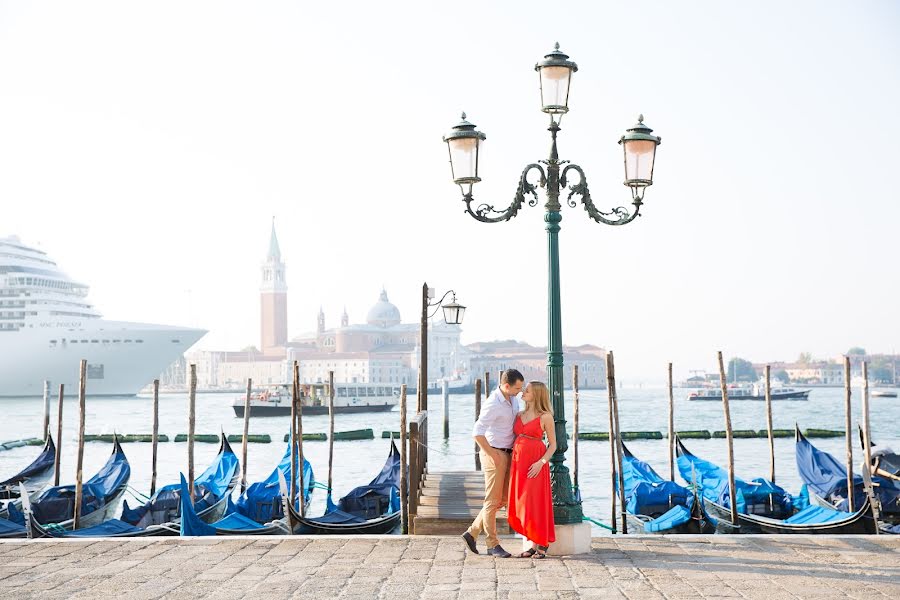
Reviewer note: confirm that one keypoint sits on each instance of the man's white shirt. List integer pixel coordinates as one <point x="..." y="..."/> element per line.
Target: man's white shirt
<point x="497" y="419"/>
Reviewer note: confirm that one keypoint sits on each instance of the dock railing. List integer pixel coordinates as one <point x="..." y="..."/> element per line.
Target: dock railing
<point x="418" y="459"/>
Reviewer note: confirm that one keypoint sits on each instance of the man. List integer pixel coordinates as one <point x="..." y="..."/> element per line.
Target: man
<point x="493" y="432"/>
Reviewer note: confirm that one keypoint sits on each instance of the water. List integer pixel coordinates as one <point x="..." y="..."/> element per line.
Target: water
<point x="356" y="462"/>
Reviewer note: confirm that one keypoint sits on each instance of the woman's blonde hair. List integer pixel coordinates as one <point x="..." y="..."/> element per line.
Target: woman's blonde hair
<point x="541" y="397"/>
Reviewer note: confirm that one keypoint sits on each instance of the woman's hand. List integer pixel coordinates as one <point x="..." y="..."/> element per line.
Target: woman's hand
<point x="534" y="469"/>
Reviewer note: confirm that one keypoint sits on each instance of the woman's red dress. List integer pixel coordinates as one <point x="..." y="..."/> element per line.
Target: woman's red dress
<point x="530" y="509"/>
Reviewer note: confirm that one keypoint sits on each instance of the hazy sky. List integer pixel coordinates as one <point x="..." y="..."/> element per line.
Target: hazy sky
<point x="147" y="145"/>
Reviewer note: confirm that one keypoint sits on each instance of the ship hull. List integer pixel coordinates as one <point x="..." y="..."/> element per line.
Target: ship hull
<point x="122" y="357"/>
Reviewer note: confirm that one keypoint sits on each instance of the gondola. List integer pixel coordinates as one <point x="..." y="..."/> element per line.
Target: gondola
<point x="55" y="506"/>
<point x="233" y="523"/>
<point x="656" y="505"/>
<point x="826" y="477"/>
<point x="758" y="497"/>
<point x="161" y="515"/>
<point x="35" y="476"/>
<point x="368" y="509"/>
<point x="212" y="488"/>
<point x="262" y="501"/>
<point x="885" y="462"/>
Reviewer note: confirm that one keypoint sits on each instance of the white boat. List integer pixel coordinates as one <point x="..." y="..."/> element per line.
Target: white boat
<point x="749" y="392"/>
<point x="47" y="326"/>
<point x="275" y="400"/>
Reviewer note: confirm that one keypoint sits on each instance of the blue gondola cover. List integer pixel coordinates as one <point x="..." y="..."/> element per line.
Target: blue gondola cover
<point x="759" y="496"/>
<point x="165" y="505"/>
<point x="57" y="504"/>
<point x="827" y="477"/>
<point x="261" y="501"/>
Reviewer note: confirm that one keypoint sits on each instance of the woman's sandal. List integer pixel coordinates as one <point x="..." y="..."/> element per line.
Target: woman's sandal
<point x="541" y="551"/>
<point x="528" y="553"/>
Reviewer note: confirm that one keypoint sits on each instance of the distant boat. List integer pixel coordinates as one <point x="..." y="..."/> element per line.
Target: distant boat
<point x="749" y="392"/>
<point x="275" y="401"/>
<point x="883" y="394"/>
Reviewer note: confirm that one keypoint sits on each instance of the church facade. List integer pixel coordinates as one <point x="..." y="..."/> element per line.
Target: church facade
<point x="383" y="349"/>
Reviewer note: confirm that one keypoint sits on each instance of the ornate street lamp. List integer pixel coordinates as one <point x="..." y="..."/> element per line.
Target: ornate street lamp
<point x="639" y="147"/>
<point x="453" y="315"/>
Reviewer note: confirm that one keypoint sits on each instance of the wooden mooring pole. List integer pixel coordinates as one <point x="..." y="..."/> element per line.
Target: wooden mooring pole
<point x="867" y="447"/>
<point x="477" y="414"/>
<point x="330" y="427"/>
<point x="849" y="436"/>
<point x="671" y="427"/>
<point x="866" y="440"/>
<point x="404" y="468"/>
<point x="769" y="429"/>
<point x="620" y="450"/>
<point x="575" y="394"/>
<point x="732" y="493"/>
<point x="295" y="399"/>
<point x="246" y="433"/>
<point x="487" y="384"/>
<point x="59" y="425"/>
<point x="445" y="404"/>
<point x="155" y="438"/>
<point x="192" y="423"/>
<point x="80" y="461"/>
<point x="303" y="484"/>
<point x="46" y="431"/>
<point x="613" y="469"/>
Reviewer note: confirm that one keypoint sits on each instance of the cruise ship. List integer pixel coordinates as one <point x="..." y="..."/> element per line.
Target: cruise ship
<point x="47" y="326"/>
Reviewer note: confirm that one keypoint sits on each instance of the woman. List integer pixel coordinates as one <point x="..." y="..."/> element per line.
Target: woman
<point x="530" y="507"/>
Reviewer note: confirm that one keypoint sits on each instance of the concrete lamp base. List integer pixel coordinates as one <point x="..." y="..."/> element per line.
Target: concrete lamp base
<point x="570" y="539"/>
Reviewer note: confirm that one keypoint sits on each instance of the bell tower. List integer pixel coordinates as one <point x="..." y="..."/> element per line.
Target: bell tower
<point x="273" y="300"/>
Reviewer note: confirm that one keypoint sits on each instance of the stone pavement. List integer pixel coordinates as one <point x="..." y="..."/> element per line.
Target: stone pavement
<point x="398" y="568"/>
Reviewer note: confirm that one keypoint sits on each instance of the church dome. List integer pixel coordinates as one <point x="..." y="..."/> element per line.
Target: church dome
<point x="383" y="313"/>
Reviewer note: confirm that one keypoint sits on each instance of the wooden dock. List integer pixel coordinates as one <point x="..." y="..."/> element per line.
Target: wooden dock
<point x="448" y="503"/>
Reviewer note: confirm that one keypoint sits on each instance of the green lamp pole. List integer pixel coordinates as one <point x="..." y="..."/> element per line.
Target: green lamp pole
<point x="639" y="146"/>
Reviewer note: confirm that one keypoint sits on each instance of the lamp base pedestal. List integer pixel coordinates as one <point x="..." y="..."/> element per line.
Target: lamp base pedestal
<point x="570" y="539"/>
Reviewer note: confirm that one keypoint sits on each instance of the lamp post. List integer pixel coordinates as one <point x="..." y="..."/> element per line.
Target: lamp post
<point x="453" y="315"/>
<point x="639" y="147"/>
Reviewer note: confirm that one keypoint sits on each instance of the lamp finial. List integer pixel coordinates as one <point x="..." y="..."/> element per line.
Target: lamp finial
<point x="464" y="115"/>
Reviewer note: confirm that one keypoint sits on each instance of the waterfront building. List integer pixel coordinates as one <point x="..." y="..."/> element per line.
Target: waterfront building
<point x="492" y="357"/>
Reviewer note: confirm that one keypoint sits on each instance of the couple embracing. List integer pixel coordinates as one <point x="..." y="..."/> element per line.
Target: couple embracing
<point x="510" y="433"/>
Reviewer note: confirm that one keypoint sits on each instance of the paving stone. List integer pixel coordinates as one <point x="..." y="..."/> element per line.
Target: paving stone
<point x="749" y="567"/>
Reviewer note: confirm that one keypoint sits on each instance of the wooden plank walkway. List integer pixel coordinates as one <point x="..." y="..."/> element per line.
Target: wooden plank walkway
<point x="449" y="501"/>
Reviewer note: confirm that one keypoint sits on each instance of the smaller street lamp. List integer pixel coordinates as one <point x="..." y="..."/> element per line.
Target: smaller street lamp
<point x="453" y="312"/>
<point x="453" y="315"/>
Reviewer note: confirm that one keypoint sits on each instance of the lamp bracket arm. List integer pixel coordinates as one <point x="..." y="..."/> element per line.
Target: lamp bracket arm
<point x="439" y="302"/>
<point x="615" y="216"/>
<point x="486" y="213"/>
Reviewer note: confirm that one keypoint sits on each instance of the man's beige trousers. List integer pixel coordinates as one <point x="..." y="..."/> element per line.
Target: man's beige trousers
<point x="496" y="488"/>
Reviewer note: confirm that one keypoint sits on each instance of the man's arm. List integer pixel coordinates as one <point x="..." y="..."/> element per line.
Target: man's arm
<point x="485" y="420"/>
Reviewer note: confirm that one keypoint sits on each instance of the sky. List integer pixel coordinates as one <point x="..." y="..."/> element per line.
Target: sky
<point x="146" y="146"/>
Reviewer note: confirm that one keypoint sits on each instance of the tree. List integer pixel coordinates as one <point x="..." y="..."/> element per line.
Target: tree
<point x="741" y="370"/>
<point x="856" y="351"/>
<point x="805" y="358"/>
<point x="881" y="375"/>
<point x="782" y="376"/>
